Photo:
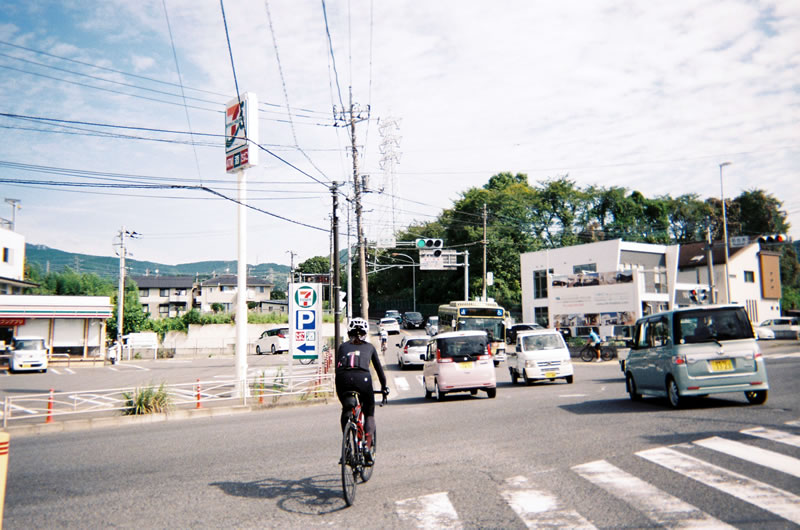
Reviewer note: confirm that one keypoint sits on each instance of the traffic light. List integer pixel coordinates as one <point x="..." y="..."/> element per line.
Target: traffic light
<point x="772" y="239"/>
<point x="427" y="243"/>
<point x="698" y="296"/>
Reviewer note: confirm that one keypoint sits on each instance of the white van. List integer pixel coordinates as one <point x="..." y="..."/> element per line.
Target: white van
<point x="458" y="361"/>
<point x="539" y="354"/>
<point x="27" y="353"/>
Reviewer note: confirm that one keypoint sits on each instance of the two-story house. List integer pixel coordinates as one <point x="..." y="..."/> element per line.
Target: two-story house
<point x="222" y="290"/>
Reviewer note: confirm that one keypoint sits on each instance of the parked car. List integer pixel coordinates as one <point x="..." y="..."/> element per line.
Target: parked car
<point x="458" y="361"/>
<point x="393" y="313"/>
<point x="273" y="340"/>
<point x="539" y="354"/>
<point x="413" y="320"/>
<point x="389" y="324"/>
<point x="27" y="354"/>
<point x="513" y="329"/>
<point x="763" y="333"/>
<point x="696" y="352"/>
<point x="432" y="326"/>
<point x="783" y="327"/>
<point x="410" y="351"/>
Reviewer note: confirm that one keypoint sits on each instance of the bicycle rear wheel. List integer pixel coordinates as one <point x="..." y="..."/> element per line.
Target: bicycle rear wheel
<point x="349" y="463"/>
<point x="607" y="353"/>
<point x="366" y="471"/>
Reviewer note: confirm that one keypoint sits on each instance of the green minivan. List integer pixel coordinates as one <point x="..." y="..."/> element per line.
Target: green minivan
<point x="696" y="351"/>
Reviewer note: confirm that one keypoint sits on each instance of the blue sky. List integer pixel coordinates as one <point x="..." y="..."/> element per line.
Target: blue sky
<point x="650" y="97"/>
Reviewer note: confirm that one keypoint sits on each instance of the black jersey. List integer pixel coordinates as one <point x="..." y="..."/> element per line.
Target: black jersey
<point x="351" y="356"/>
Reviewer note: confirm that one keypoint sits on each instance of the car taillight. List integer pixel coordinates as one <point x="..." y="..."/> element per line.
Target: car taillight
<point x="405" y="350"/>
<point x="484" y="357"/>
<point x="281" y="336"/>
<point x="679" y="359"/>
<point x="489" y="348"/>
<point x="440" y="359"/>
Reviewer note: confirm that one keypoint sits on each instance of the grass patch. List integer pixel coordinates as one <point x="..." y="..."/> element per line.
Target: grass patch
<point x="147" y="400"/>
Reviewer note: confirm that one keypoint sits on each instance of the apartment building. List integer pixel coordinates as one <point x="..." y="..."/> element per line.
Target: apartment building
<point x="166" y="296"/>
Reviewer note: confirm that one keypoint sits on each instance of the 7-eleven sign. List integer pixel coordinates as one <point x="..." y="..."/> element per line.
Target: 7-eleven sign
<point x="305" y="296"/>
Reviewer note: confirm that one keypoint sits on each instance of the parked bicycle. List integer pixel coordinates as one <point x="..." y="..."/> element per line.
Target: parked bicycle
<point x="354" y="447"/>
<point x="589" y="353"/>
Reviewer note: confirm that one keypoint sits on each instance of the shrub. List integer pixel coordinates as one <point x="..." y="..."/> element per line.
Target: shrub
<point x="147" y="400"/>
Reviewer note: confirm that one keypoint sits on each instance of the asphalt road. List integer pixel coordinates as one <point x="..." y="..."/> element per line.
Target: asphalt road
<point x="547" y="454"/>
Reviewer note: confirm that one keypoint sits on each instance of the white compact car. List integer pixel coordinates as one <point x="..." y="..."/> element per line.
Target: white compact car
<point x="390" y="325"/>
<point x="539" y="354"/>
<point x="409" y="351"/>
<point x="273" y="341"/>
<point x="458" y="361"/>
<point x="28" y="354"/>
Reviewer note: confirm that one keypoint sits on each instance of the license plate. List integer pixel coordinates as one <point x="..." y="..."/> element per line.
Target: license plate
<point x="721" y="366"/>
<point x="24" y="365"/>
<point x="466" y="366"/>
<point x="550" y="374"/>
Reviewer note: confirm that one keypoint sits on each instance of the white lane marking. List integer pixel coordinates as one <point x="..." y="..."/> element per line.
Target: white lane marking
<point x="756" y="455"/>
<point x="759" y="494"/>
<point x="540" y="509"/>
<point x="70" y="370"/>
<point x="572" y="395"/>
<point x="773" y="435"/>
<point x="782" y="356"/>
<point x="420" y="379"/>
<point x="659" y="506"/>
<point x="56" y="371"/>
<point x="429" y="511"/>
<point x="400" y="383"/>
<point x="795" y="423"/>
<point x="168" y="360"/>
<point x="111" y="367"/>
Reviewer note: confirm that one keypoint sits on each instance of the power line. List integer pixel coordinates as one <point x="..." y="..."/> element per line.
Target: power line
<point x="333" y="57"/>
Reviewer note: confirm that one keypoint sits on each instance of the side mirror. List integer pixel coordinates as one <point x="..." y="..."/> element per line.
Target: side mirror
<point x="629" y="343"/>
<point x="422" y="357"/>
<point x="398" y="344"/>
<point x="519" y="348"/>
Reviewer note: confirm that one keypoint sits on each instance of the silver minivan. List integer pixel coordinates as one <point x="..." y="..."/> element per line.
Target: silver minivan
<point x="695" y="352"/>
<point x="458" y="361"/>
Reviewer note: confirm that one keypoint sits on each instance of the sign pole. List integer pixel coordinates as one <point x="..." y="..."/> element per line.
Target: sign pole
<point x="241" y="281"/>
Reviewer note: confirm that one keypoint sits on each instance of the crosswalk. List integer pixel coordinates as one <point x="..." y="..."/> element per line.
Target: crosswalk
<point x="536" y="507"/>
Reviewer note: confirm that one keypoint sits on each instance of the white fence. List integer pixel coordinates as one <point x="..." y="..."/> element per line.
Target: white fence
<point x="262" y="389"/>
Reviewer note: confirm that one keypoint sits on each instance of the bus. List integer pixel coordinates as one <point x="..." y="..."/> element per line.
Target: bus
<point x="461" y="315"/>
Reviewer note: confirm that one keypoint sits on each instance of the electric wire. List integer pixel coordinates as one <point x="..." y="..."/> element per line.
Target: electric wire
<point x="333" y="56"/>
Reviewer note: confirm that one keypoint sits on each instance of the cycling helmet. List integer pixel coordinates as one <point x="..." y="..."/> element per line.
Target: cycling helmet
<point x="358" y="326"/>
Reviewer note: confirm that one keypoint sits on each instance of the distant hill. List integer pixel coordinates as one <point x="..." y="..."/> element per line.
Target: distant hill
<point x="54" y="260"/>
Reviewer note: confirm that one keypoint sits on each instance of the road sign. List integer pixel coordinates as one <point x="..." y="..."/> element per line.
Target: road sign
<point x="305" y="320"/>
<point x="430" y="260"/>
<point x="740" y="241"/>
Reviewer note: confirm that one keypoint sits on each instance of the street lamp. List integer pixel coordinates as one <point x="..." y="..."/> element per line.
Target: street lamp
<point x="725" y="234"/>
<point x="413" y="278"/>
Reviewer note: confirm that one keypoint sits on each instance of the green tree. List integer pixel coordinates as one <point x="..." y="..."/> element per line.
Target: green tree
<point x="134" y="316"/>
<point x="315" y="265"/>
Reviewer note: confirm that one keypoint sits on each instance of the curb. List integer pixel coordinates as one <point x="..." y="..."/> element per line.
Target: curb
<point x="35" y="429"/>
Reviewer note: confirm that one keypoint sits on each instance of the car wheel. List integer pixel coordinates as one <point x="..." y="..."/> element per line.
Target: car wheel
<point x="514" y="376"/>
<point x="258" y="349"/>
<point x="271" y="348"/>
<point x="425" y="388"/>
<point x="473" y="392"/>
<point x="491" y="393"/>
<point x="525" y="377"/>
<point x="673" y="395"/>
<point x="496" y="363"/>
<point x="756" y="397"/>
<point x="438" y="395"/>
<point x="569" y="379"/>
<point x="630" y="386"/>
<point x="400" y="364"/>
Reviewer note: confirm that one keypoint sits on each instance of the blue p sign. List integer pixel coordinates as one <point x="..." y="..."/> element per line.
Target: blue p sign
<point x="305" y="319"/>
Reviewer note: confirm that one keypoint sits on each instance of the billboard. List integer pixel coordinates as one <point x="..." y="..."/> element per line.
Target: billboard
<point x="241" y="133"/>
<point x="593" y="299"/>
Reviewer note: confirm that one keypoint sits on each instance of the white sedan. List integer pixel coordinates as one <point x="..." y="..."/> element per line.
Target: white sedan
<point x="390" y="325"/>
<point x="763" y="333"/>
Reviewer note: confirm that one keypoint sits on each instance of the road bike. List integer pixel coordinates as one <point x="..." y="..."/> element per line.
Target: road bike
<point x="354" y="447"/>
<point x="588" y="353"/>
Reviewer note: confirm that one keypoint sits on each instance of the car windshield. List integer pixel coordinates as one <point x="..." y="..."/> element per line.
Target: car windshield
<point x="390" y="321"/>
<point x="29" y="344"/>
<point x="414" y="316"/>
<point x="551" y="341"/>
<point x="492" y="326"/>
<point x="712" y="325"/>
<point x="462" y="346"/>
<point x="417" y="343"/>
<point x="432" y="320"/>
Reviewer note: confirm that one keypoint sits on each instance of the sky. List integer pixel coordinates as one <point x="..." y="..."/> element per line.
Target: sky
<point x="650" y="96"/>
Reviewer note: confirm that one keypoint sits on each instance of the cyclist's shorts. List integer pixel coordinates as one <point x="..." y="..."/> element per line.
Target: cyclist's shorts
<point x="361" y="382"/>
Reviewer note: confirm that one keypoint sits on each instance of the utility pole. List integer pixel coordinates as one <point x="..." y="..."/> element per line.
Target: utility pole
<point x="335" y="290"/>
<point x="14" y="207"/>
<point x="710" y="263"/>
<point x="291" y="265"/>
<point x="123" y="253"/>
<point x="483" y="296"/>
<point x="351" y="117"/>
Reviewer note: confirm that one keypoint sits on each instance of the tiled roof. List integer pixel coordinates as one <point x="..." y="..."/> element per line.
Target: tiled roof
<point x="164" y="282"/>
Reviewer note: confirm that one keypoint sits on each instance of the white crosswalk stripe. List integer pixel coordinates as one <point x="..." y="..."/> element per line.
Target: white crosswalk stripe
<point x="539" y="508"/>
<point x="756" y="455"/>
<point x="659" y="506"/>
<point x="401" y="384"/>
<point x="429" y="511"/>
<point x="775" y="436"/>
<point x="761" y="495"/>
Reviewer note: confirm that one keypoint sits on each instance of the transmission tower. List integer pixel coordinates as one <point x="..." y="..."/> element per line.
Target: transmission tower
<point x="390" y="158"/>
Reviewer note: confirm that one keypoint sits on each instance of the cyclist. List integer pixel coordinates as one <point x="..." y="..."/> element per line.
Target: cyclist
<point x="352" y="374"/>
<point x="384" y="339"/>
<point x="594" y="338"/>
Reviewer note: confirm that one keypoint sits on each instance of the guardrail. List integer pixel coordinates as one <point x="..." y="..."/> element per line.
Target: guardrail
<point x="261" y="389"/>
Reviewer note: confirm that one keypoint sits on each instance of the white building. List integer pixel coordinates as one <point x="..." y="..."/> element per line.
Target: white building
<point x="609" y="284"/>
<point x="12" y="262"/>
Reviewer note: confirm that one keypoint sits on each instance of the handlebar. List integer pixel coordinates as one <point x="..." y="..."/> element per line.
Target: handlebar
<point x="385" y="395"/>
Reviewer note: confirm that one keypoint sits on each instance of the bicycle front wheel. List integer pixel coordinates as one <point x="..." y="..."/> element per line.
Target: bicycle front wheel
<point x="588" y="354"/>
<point x="349" y="463"/>
<point x="366" y="471"/>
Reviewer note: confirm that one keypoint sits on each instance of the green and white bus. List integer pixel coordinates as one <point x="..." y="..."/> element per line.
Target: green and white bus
<point x="461" y="315"/>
